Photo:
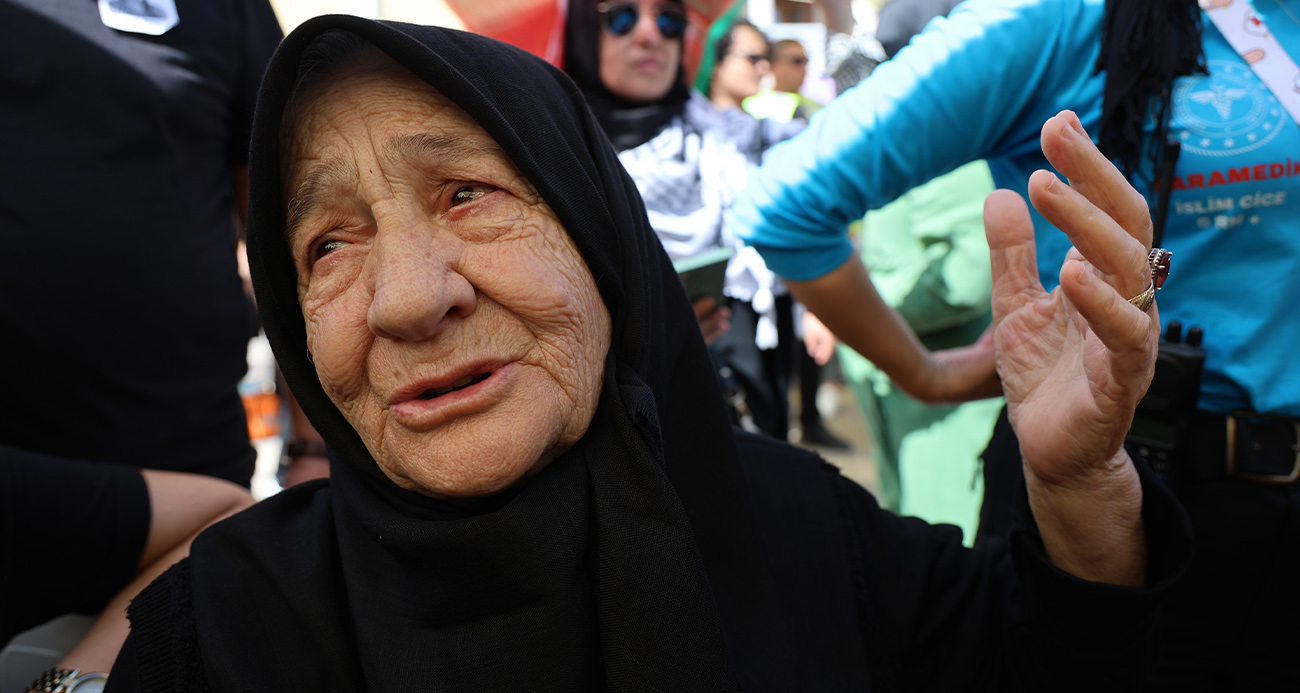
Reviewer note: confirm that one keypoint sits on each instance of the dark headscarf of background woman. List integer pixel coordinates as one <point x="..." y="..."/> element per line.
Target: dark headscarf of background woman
<point x="630" y="563"/>
<point x="626" y="123"/>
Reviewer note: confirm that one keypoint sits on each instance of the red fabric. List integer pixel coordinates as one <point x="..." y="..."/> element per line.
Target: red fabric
<point x="701" y="14"/>
<point x="537" y="26"/>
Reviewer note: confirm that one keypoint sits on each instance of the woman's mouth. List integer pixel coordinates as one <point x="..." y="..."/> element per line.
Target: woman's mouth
<point x="464" y="396"/>
<point x="459" y="384"/>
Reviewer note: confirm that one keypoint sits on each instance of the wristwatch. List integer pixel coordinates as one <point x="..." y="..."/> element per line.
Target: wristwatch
<point x="58" y="680"/>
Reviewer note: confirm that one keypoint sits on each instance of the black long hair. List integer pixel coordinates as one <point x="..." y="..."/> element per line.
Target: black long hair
<point x="1145" y="46"/>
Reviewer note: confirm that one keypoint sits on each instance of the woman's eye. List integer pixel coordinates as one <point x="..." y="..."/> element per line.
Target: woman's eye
<point x="326" y="248"/>
<point x="469" y="193"/>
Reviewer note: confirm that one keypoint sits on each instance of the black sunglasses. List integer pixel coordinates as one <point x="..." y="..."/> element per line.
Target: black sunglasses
<point x="753" y="58"/>
<point x="621" y="19"/>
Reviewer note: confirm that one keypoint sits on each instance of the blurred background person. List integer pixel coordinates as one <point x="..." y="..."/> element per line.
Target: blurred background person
<point x="626" y="57"/>
<point x="125" y="317"/>
<point x="688" y="160"/>
<point x="760" y="350"/>
<point x="783" y="101"/>
<point x="740" y="62"/>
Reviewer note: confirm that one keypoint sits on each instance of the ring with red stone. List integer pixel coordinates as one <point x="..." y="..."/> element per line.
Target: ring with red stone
<point x="1158" y="260"/>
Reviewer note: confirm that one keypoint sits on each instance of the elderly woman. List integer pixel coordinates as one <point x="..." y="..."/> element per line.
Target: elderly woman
<point x="538" y="488"/>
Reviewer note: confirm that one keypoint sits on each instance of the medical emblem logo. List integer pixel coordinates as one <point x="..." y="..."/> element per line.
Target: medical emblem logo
<point x="1227" y="112"/>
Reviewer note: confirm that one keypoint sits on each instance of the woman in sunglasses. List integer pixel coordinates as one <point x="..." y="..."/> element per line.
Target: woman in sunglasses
<point x="688" y="161"/>
<point x="741" y="60"/>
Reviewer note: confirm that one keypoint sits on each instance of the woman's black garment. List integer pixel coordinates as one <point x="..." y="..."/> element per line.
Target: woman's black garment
<point x="647" y="557"/>
<point x="1218" y="631"/>
<point x="72" y="533"/>
<point x="872" y="602"/>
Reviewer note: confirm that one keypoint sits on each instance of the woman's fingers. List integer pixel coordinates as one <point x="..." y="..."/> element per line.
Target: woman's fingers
<point x="1068" y="148"/>
<point x="1105" y="244"/>
<point x="1012" y="252"/>
<point x="1105" y="217"/>
<point x="1128" y="333"/>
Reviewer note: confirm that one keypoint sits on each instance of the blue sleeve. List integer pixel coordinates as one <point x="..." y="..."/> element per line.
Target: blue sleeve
<point x="977" y="85"/>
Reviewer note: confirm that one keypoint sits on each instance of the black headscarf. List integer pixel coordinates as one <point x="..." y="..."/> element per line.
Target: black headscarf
<point x="629" y="563"/>
<point x="627" y="124"/>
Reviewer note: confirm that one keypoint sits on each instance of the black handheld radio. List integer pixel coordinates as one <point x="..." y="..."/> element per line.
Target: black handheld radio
<point x="1164" y="416"/>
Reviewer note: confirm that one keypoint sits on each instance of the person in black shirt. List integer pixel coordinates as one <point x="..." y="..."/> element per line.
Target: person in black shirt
<point x="125" y="159"/>
<point x="126" y="129"/>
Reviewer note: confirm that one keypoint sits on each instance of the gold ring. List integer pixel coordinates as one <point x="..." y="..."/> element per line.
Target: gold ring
<point x="1158" y="261"/>
<point x="1145" y="299"/>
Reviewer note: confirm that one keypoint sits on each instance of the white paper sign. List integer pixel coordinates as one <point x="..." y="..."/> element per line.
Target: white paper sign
<point x="152" y="17"/>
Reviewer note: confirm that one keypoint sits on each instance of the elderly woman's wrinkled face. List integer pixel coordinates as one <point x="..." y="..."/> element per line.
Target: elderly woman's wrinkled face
<point x="640" y="66"/>
<point x="450" y="316"/>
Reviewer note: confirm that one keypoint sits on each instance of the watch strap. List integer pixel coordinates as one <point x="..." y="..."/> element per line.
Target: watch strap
<point x="59" y="680"/>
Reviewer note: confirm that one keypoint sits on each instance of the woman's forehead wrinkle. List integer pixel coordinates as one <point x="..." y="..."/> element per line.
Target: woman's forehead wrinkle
<point x="327" y="175"/>
<point x="442" y="148"/>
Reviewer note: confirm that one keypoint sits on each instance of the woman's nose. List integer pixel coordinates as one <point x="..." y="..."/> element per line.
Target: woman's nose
<point x="416" y="287"/>
<point x="646" y="30"/>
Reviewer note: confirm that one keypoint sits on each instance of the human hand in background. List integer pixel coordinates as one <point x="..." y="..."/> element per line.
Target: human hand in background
<point x="714" y="321"/>
<point x="818" y="339"/>
<point x="967" y="372"/>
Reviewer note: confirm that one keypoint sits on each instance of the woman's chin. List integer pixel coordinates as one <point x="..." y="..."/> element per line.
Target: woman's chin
<point x="458" y="480"/>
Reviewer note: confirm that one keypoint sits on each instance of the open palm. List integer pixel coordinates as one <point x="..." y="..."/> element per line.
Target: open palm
<point x="1073" y="362"/>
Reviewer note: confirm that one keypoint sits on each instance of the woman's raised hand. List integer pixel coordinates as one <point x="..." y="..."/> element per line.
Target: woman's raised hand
<point x="1075" y="362"/>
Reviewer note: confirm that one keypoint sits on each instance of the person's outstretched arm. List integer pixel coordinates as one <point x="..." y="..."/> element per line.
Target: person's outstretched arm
<point x="849" y="305"/>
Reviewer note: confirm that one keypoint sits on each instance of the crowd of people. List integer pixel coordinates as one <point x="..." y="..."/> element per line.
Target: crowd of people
<point x="529" y="459"/>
